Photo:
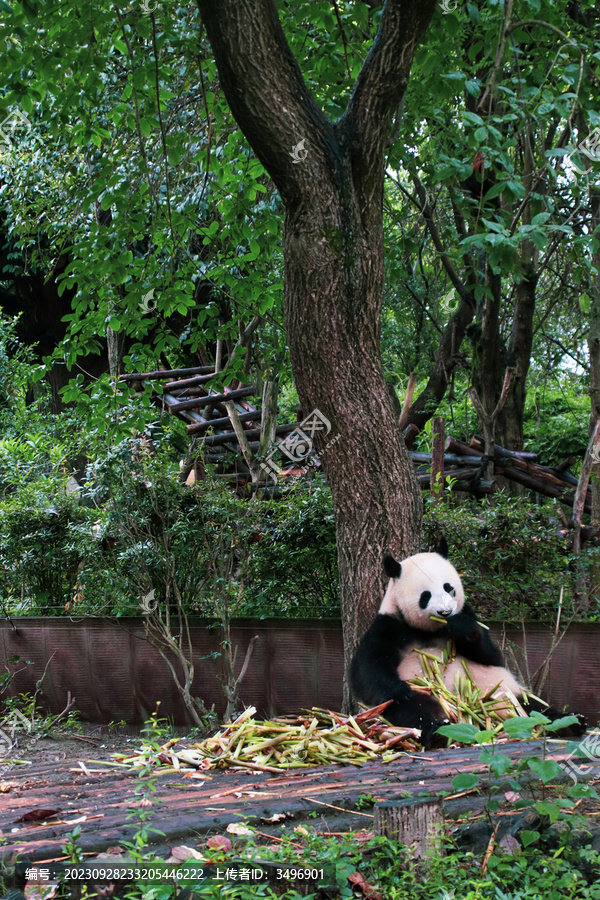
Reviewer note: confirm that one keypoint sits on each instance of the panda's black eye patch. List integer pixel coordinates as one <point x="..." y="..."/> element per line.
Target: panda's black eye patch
<point x="449" y="589"/>
<point x="424" y="599"/>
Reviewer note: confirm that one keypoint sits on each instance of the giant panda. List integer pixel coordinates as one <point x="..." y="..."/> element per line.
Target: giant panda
<point x="423" y="586"/>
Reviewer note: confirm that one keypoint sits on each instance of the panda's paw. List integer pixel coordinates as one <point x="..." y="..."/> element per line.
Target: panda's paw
<point x="463" y="626"/>
<point x="429" y="736"/>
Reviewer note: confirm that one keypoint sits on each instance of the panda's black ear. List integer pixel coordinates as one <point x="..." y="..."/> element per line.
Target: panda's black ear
<point x="391" y="567"/>
<point x="442" y="547"/>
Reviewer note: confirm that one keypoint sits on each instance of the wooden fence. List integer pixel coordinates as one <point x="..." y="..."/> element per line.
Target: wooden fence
<point x="116" y="675"/>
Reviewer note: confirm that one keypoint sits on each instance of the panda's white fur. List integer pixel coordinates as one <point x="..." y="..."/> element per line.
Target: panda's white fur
<point x="485" y="677"/>
<point x="424" y="572"/>
<point x="430" y="572"/>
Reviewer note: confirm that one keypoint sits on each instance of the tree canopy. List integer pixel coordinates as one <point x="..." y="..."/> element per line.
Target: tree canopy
<point x="150" y="153"/>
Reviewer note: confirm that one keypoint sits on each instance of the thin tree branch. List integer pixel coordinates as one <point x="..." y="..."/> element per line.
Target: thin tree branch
<point x="382" y="82"/>
<point x="503" y="395"/>
<point x="267" y="93"/>
<point x="240" y="433"/>
<point x="486" y="99"/>
<point x="410" y="390"/>
<point x="591" y="454"/>
<point x="343" y="34"/>
<point x="463" y="292"/>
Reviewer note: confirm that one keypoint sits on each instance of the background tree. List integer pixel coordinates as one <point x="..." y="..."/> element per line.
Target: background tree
<point x="501" y="114"/>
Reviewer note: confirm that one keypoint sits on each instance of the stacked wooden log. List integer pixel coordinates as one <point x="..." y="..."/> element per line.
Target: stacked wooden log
<point x="185" y="394"/>
<point x="520" y="467"/>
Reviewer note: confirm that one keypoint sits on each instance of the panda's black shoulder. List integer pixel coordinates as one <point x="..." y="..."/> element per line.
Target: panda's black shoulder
<point x="468" y="610"/>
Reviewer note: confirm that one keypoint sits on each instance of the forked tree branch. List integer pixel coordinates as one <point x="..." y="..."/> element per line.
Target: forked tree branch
<point x="382" y="82"/>
<point x="275" y="109"/>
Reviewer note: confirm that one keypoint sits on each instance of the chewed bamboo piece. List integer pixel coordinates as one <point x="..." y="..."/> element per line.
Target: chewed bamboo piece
<point x="318" y="737"/>
<point x="445" y="622"/>
<point x="468" y="703"/>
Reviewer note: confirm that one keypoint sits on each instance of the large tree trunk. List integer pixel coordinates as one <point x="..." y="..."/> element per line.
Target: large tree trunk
<point x="519" y="356"/>
<point x="334" y="254"/>
<point x="521" y="337"/>
<point x="332" y="311"/>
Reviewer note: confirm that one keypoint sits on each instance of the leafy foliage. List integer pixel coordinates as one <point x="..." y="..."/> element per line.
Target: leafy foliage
<point x="512" y="560"/>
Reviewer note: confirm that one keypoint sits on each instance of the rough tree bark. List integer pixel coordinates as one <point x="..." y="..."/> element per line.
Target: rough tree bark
<point x="594" y="354"/>
<point x="334" y="268"/>
<point x="521" y="336"/>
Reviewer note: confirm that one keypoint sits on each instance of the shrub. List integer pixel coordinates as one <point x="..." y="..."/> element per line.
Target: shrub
<point x="293" y="568"/>
<point x="508" y="552"/>
<point x="45" y="542"/>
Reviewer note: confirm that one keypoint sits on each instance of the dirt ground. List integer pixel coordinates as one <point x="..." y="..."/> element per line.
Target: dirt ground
<point x="88" y="742"/>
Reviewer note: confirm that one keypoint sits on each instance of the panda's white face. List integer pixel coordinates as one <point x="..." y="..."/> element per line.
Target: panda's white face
<point x="422" y="586"/>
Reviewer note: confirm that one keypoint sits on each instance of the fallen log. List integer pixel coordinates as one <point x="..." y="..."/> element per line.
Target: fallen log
<point x="450" y="459"/>
<point x="210" y="400"/>
<point x="477" y="440"/>
<point x="558" y="476"/>
<point x="217" y="439"/>
<point x="536" y="484"/>
<point x="190" y="382"/>
<point x="453" y="445"/>
<point x="165" y="373"/>
<point x="224" y="420"/>
<point x="410" y="433"/>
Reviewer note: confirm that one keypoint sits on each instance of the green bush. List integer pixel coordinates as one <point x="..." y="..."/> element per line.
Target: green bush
<point x="509" y="555"/>
<point x="46" y="540"/>
<point x="293" y="566"/>
<point x="167" y="536"/>
<point x="556" y="421"/>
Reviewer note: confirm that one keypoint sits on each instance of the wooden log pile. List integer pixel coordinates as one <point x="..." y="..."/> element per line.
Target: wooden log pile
<point x="521" y="467"/>
<point x="186" y="395"/>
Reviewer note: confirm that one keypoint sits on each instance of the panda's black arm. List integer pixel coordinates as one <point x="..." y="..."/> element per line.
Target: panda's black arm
<point x="374" y="670"/>
<point x="471" y="640"/>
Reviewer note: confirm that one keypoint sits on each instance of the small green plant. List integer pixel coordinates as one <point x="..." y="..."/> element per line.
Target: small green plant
<point x="532" y="775"/>
<point x="71" y="847"/>
<point x="156" y="731"/>
<point x="365" y="801"/>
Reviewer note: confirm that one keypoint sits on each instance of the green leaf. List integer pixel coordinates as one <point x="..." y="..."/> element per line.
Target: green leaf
<point x="472" y="117"/>
<point x="541" y="218"/>
<point x="500" y="764"/>
<point x="465" y="782"/>
<point x="520" y="727"/>
<point x="494" y="191"/>
<point x="529" y="837"/>
<point x="585" y="302"/>
<point x="564" y="722"/>
<point x="545" y="769"/>
<point x="583" y="790"/>
<point x="548" y="809"/>
<point x="473" y="87"/>
<point x="466" y="734"/>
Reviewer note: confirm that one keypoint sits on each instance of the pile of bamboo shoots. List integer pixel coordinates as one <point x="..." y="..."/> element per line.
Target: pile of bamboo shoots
<point x="468" y="703"/>
<point x="319" y="737"/>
